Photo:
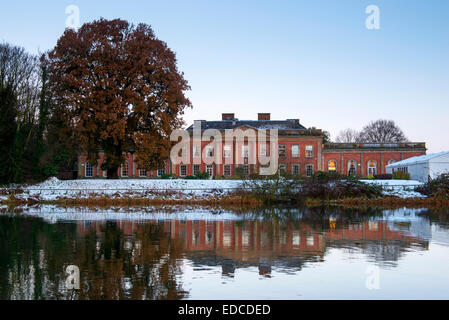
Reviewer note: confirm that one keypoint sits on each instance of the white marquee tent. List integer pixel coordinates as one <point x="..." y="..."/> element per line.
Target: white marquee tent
<point x="423" y="167"/>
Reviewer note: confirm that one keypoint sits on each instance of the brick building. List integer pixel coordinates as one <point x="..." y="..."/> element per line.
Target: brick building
<point x="301" y="152"/>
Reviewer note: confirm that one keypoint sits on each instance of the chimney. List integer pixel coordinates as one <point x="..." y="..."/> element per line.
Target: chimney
<point x="264" y="116"/>
<point x="228" y="116"/>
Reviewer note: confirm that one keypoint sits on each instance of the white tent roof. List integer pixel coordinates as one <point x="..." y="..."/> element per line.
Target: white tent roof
<point x="416" y="160"/>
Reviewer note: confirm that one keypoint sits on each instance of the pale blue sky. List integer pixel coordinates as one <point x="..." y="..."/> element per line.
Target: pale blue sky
<point x="312" y="60"/>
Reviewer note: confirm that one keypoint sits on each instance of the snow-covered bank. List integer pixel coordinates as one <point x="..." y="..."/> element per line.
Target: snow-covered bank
<point x="399" y="188"/>
<point x="53" y="189"/>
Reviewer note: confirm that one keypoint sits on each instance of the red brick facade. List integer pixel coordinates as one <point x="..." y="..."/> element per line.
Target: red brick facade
<point x="301" y="152"/>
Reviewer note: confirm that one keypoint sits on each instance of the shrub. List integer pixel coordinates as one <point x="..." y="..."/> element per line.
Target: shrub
<point x="399" y="175"/>
<point x="167" y="177"/>
<point x="202" y="176"/>
<point x="438" y="187"/>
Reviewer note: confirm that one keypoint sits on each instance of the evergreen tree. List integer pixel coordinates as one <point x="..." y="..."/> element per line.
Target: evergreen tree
<point x="8" y="126"/>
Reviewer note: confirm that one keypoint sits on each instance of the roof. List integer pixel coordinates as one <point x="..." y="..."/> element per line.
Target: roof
<point x="419" y="159"/>
<point x="257" y="124"/>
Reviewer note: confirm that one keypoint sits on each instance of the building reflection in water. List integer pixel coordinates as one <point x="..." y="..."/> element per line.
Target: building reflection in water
<point x="143" y="259"/>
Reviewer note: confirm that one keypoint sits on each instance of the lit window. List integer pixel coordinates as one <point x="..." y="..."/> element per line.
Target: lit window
<point x="125" y="169"/>
<point x="332" y="167"/>
<point x="295" y="151"/>
<point x="89" y="170"/>
<point x="309" y="170"/>
<point x="183" y="171"/>
<point x="227" y="170"/>
<point x="309" y="151"/>
<point x="372" y="168"/>
<point x="391" y="162"/>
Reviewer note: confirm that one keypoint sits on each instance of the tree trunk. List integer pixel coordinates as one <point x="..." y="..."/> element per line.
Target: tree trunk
<point x="112" y="174"/>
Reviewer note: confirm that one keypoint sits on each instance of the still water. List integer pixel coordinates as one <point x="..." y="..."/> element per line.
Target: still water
<point x="179" y="253"/>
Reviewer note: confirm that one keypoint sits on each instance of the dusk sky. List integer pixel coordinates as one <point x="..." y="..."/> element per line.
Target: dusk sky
<point x="312" y="60"/>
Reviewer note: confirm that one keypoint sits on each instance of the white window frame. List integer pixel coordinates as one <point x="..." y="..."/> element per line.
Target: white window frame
<point x="122" y="169"/>
<point x="196" y="166"/>
<point x="160" y="172"/>
<point x="293" y="169"/>
<point x="308" y="166"/>
<point x="245" y="151"/>
<point x="370" y="168"/>
<point x="143" y="175"/>
<point x="88" y="167"/>
<point x="197" y="152"/>
<point x="227" y="173"/>
<point x="310" y="152"/>
<point x="295" y="154"/>
<point x="181" y="169"/>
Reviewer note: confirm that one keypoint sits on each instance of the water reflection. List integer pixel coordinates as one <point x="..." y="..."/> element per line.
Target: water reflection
<point x="144" y="258"/>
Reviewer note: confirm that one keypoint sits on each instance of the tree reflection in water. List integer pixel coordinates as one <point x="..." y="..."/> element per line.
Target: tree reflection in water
<point x="143" y="259"/>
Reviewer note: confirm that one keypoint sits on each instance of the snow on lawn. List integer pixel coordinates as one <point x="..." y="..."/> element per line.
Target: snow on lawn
<point x="399" y="188"/>
<point x="52" y="189"/>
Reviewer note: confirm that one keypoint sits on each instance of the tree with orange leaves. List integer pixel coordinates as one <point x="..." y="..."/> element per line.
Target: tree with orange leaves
<point x="121" y="89"/>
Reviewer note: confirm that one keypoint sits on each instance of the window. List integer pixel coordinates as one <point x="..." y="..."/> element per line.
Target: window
<point x="89" y="170"/>
<point x="309" y="151"/>
<point x="227" y="170"/>
<point x="196" y="169"/>
<point x="372" y="168"/>
<point x="210" y="170"/>
<point x="282" y="169"/>
<point x="197" y="152"/>
<point x="282" y="150"/>
<point x="246" y="170"/>
<point x="143" y="173"/>
<point x="125" y="169"/>
<point x="309" y="170"/>
<point x="160" y="172"/>
<point x="332" y="166"/>
<point x="245" y="151"/>
<point x="209" y="152"/>
<point x="352" y="168"/>
<point x="295" y="151"/>
<point x="183" y="171"/>
<point x="227" y="151"/>
<point x="296" y="169"/>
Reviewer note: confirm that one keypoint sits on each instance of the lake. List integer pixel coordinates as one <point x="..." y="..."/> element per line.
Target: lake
<point x="200" y="253"/>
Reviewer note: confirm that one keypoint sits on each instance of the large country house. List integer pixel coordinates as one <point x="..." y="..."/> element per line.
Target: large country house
<point x="301" y="152"/>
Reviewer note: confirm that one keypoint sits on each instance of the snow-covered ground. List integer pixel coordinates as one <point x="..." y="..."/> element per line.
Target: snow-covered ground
<point x="399" y="188"/>
<point x="53" y="189"/>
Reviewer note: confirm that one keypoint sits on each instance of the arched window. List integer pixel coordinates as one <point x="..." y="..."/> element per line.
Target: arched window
<point x="372" y="168"/>
<point x="332" y="166"/>
<point x="89" y="170"/>
<point x="352" y="167"/>
<point x="125" y="169"/>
